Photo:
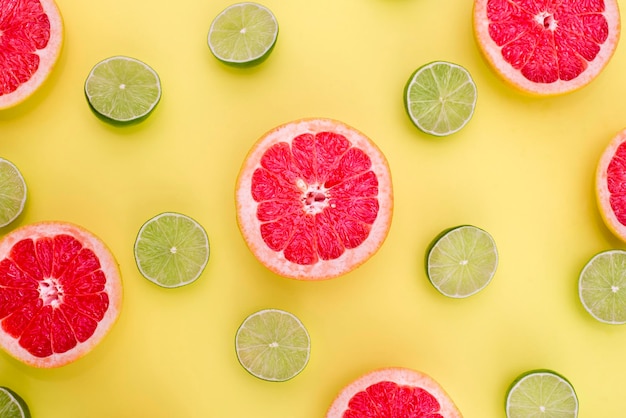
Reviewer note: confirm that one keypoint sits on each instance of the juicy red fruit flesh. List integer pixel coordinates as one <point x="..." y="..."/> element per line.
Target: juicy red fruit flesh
<point x="316" y="197"/>
<point x="52" y="294"/>
<point x="390" y="400"/>
<point x="24" y="29"/>
<point x="616" y="183"/>
<point x="548" y="41"/>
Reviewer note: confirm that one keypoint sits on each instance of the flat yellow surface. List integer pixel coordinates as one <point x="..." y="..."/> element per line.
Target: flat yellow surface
<point x="522" y="169"/>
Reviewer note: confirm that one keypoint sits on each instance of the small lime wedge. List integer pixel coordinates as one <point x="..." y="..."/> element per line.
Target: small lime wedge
<point x="440" y="98"/>
<point x="122" y="89"/>
<point x="171" y="250"/>
<point x="602" y="286"/>
<point x="541" y="393"/>
<point x="461" y="261"/>
<point x="243" y="34"/>
<point x="12" y="192"/>
<point x="12" y="405"/>
<point x="273" y="345"/>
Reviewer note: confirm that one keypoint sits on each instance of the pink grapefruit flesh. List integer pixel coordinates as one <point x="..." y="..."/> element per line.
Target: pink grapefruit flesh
<point x="611" y="185"/>
<point x="547" y="47"/>
<point x="314" y="199"/>
<point x="31" y="37"/>
<point x="60" y="293"/>
<point x="391" y="393"/>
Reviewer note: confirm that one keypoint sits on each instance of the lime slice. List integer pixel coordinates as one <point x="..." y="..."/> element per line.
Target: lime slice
<point x="12" y="405"/>
<point x="122" y="89"/>
<point x="541" y="393"/>
<point x="440" y="98"/>
<point x="243" y="33"/>
<point x="461" y="261"/>
<point x="171" y="250"/>
<point x="12" y="192"/>
<point x="602" y="286"/>
<point x="273" y="345"/>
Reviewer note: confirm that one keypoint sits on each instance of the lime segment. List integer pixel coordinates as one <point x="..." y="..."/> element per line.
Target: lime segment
<point x="12" y="192"/>
<point x="171" y="250"/>
<point x="541" y="393"/>
<point x="12" y="405"/>
<point x="123" y="89"/>
<point x="602" y="287"/>
<point x="462" y="261"/>
<point x="440" y="98"/>
<point x="273" y="345"/>
<point x="243" y="33"/>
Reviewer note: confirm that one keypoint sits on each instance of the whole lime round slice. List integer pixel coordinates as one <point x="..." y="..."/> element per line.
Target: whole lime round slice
<point x="602" y="286"/>
<point x="541" y="393"/>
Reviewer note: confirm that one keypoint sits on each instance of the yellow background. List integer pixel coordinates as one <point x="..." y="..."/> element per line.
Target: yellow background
<point x="523" y="169"/>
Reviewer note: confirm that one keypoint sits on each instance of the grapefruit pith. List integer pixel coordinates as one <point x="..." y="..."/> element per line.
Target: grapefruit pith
<point x="611" y="185"/>
<point x="60" y="293"/>
<point x="393" y="392"/>
<point x="31" y="37"/>
<point x="314" y="199"/>
<point x="544" y="47"/>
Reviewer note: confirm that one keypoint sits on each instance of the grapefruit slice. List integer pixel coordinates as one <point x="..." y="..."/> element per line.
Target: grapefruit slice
<point x="31" y="37"/>
<point x="611" y="185"/>
<point x="314" y="199"/>
<point x="547" y="48"/>
<point x="60" y="293"/>
<point x="393" y="392"/>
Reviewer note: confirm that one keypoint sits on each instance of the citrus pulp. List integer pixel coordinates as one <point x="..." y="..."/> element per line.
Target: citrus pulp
<point x="541" y="393"/>
<point x="611" y="185"/>
<point x="547" y="48"/>
<point x="393" y="392"/>
<point x="602" y="286"/>
<point x="61" y="293"/>
<point x="314" y="199"/>
<point x="31" y="37"/>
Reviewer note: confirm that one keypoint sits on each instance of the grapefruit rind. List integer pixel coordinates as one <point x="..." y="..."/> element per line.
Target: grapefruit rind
<point x="246" y="207"/>
<point x="113" y="288"/>
<point x="514" y="78"/>
<point x="402" y="377"/>
<point x="603" y="195"/>
<point x="48" y="58"/>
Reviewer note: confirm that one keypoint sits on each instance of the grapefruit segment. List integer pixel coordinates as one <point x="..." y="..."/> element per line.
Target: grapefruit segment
<point x="61" y="292"/>
<point x="393" y="392"/>
<point x="31" y="37"/>
<point x="314" y="199"/>
<point x="547" y="48"/>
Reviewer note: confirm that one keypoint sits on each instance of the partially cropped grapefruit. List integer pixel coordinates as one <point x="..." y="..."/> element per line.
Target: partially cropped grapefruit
<point x="544" y="47"/>
<point x="60" y="293"/>
<point x="611" y="185"/>
<point x="314" y="199"/>
<point x="31" y="37"/>
<point x="393" y="393"/>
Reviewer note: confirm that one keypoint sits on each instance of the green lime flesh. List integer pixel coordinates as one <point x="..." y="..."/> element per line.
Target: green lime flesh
<point x="541" y="394"/>
<point x="12" y="405"/>
<point x="122" y="89"/>
<point x="171" y="250"/>
<point x="602" y="287"/>
<point x="273" y="345"/>
<point x="243" y="34"/>
<point x="440" y="98"/>
<point x="461" y="261"/>
<point x="12" y="192"/>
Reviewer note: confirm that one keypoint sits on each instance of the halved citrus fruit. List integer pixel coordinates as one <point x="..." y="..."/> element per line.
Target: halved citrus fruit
<point x="611" y="185"/>
<point x="393" y="392"/>
<point x="31" y="37"/>
<point x="547" y="48"/>
<point x="60" y="293"/>
<point x="13" y="192"/>
<point x="541" y="393"/>
<point x="12" y="405"/>
<point x="602" y="286"/>
<point x="314" y="199"/>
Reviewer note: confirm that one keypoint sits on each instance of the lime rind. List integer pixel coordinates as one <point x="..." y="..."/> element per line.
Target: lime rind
<point x="602" y="287"/>
<point x="243" y="34"/>
<point x="461" y="261"/>
<point x="12" y="405"/>
<point x="13" y="192"/>
<point x="541" y="392"/>
<point x="122" y="89"/>
<point x="273" y="345"/>
<point x="171" y="250"/>
<point x="440" y="98"/>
